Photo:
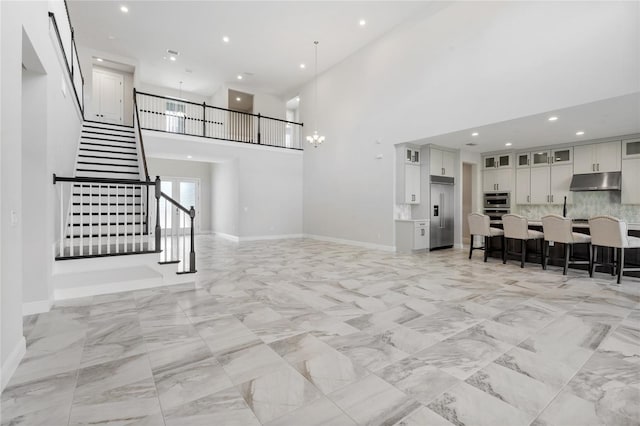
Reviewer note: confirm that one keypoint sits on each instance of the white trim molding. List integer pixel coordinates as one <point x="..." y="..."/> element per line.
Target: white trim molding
<point x="37" y="307"/>
<point x="270" y="237"/>
<point x="229" y="237"/>
<point x="350" y="242"/>
<point x="13" y="361"/>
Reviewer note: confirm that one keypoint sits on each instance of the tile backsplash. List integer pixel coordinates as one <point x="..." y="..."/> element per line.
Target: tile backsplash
<point x="584" y="206"/>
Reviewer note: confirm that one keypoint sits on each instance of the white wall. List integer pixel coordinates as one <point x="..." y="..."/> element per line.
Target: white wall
<point x="22" y="21"/>
<point x="472" y="63"/>
<point x="269" y="182"/>
<point x="188" y="169"/>
<point x="171" y="92"/>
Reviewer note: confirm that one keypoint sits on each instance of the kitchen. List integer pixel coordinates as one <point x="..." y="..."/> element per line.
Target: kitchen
<point x="579" y="178"/>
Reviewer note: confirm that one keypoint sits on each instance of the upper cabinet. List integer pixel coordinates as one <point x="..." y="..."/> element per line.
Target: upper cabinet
<point x="631" y="148"/>
<point x="552" y="157"/>
<point x="441" y="162"/>
<point x="523" y="160"/>
<point x="630" y="178"/>
<point x="412" y="155"/>
<point x="598" y="157"/>
<point x="497" y="161"/>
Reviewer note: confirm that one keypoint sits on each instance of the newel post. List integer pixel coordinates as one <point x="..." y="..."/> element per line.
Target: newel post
<point x="158" y="232"/>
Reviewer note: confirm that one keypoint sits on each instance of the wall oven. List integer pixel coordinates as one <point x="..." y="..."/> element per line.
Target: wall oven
<point x="497" y="204"/>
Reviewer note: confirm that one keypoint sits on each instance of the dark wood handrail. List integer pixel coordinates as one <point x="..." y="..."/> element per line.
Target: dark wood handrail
<point x="175" y="203"/>
<point x="142" y="152"/>
<point x="102" y="180"/>
<point x="218" y="108"/>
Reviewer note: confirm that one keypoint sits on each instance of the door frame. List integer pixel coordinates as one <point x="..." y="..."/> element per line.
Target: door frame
<point x="175" y="195"/>
<point x="93" y="92"/>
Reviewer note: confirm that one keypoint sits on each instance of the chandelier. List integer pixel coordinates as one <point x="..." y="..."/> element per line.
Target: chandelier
<point x="315" y="139"/>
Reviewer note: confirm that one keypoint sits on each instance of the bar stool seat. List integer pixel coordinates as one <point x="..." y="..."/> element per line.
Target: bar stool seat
<point x="479" y="225"/>
<point x="559" y="229"/>
<point x="611" y="232"/>
<point x="516" y="227"/>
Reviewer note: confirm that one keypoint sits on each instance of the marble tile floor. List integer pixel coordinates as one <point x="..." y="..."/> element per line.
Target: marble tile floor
<point x="302" y="332"/>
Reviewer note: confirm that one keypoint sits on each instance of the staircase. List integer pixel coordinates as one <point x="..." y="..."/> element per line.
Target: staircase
<point x="108" y="151"/>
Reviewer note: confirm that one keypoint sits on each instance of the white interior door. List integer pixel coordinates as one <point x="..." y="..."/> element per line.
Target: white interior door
<point x="108" y="96"/>
<point x="185" y="191"/>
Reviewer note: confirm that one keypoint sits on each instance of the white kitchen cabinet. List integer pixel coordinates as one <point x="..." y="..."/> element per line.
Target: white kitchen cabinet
<point x="598" y="157"/>
<point x="442" y="163"/>
<point x="630" y="179"/>
<point x="631" y="148"/>
<point x="540" y="182"/>
<point x="412" y="155"/>
<point x="560" y="183"/>
<point x="523" y="185"/>
<point x="540" y="158"/>
<point x="561" y="156"/>
<point x="497" y="180"/>
<point x="412" y="235"/>
<point x="411" y="184"/>
<point x="497" y="161"/>
<point x="523" y="159"/>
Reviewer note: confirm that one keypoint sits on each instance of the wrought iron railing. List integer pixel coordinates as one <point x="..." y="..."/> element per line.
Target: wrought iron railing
<point x="172" y="115"/>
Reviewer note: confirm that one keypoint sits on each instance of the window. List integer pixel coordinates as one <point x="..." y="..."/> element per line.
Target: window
<point x="175" y="116"/>
<point x="185" y="191"/>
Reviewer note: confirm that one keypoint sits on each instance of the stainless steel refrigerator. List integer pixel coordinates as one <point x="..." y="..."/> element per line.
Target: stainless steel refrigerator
<point x="441" y="223"/>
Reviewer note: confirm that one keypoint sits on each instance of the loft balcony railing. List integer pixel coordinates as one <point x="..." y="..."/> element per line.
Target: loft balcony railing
<point x="61" y="23"/>
<point x="171" y="115"/>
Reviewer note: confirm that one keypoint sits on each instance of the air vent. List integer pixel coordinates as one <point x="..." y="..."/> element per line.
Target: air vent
<point x="471" y="144"/>
<point x="173" y="52"/>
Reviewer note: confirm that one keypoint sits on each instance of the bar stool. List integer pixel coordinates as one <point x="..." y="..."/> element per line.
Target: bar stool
<point x="479" y="225"/>
<point x="516" y="227"/>
<point x="559" y="229"/>
<point x="611" y="232"/>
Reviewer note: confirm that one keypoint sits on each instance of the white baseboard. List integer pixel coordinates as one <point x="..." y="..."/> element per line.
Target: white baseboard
<point x="229" y="237"/>
<point x="351" y="242"/>
<point x="37" y="307"/>
<point x="116" y="287"/>
<point x="270" y="237"/>
<point x="13" y="360"/>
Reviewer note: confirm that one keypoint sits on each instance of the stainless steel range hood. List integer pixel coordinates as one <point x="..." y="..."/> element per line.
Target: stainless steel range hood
<point x="609" y="181"/>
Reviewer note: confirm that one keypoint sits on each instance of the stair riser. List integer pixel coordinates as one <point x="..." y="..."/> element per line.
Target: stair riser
<point x="129" y="168"/>
<point x="104" y="138"/>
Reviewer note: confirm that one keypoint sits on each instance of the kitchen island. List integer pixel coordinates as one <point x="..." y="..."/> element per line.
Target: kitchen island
<point x="579" y="251"/>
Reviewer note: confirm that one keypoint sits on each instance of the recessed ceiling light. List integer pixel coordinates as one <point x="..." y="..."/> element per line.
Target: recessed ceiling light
<point x="111" y="37"/>
<point x="508" y="144"/>
<point x="362" y="22"/>
<point x="173" y="58"/>
<point x="225" y="39"/>
<point x="124" y="9"/>
<point x="298" y="98"/>
<point x="239" y="77"/>
<point x="579" y="133"/>
<point x="554" y="118"/>
<point x="238" y="99"/>
<point x="475" y="134"/>
<point x="99" y="59"/>
<point x="189" y="156"/>
<point x="303" y="66"/>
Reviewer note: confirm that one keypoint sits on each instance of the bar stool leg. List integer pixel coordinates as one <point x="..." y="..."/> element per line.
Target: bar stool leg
<point x="590" y="259"/>
<point x="487" y="240"/>
<point x="594" y="257"/>
<point x="504" y="252"/>
<point x="524" y="253"/>
<point x="470" y="246"/>
<point x="620" y="263"/>
<point x="613" y="262"/>
<point x="567" y="254"/>
<point x="503" y="242"/>
<point x="545" y="243"/>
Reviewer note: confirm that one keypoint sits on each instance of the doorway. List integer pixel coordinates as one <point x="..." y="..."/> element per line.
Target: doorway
<point x="185" y="191"/>
<point x="467" y="200"/>
<point x="108" y="96"/>
<point x="241" y="126"/>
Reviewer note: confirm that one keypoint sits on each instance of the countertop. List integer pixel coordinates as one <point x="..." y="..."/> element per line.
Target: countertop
<point x="577" y="225"/>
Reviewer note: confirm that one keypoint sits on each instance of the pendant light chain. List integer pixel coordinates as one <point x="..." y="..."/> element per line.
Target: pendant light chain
<point x="315" y="139"/>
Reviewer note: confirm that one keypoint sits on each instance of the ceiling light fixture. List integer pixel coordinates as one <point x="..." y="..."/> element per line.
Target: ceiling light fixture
<point x="474" y="134"/>
<point x="238" y="99"/>
<point x="362" y="22"/>
<point x="303" y="66"/>
<point x="173" y="58"/>
<point x="579" y="133"/>
<point x="189" y="156"/>
<point x="99" y="59"/>
<point x="225" y="39"/>
<point x="124" y="9"/>
<point x="554" y="118"/>
<point x="508" y="144"/>
<point x="315" y="139"/>
<point x="239" y="77"/>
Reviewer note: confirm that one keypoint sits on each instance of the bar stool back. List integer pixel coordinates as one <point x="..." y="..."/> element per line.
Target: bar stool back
<point x="479" y="225"/>
<point x="559" y="229"/>
<point x="609" y="231"/>
<point x="516" y="227"/>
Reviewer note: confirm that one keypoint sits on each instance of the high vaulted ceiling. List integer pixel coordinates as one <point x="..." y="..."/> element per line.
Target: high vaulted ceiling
<point x="268" y="40"/>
